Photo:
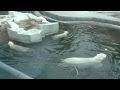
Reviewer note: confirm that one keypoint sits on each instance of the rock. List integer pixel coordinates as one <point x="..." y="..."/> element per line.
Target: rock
<point x="20" y="18"/>
<point x="28" y="28"/>
<point x="12" y="25"/>
<point x="27" y="24"/>
<point x="38" y="19"/>
<point x="14" y="13"/>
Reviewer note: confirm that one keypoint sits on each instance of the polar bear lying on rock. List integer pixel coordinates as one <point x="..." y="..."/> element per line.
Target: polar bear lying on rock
<point x="18" y="47"/>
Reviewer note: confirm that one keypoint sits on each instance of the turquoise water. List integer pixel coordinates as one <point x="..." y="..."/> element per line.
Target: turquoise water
<point x="84" y="40"/>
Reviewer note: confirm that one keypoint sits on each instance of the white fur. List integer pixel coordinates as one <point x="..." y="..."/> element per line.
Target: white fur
<point x="83" y="62"/>
<point x="17" y="47"/>
<point x="78" y="60"/>
<point x="56" y="37"/>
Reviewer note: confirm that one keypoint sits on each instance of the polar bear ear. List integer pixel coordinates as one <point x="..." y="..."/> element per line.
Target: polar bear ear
<point x="37" y="13"/>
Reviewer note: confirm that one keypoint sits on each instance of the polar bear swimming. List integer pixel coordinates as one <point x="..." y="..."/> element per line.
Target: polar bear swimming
<point x="80" y="61"/>
<point x="17" y="47"/>
<point x="62" y="35"/>
<point x="25" y="49"/>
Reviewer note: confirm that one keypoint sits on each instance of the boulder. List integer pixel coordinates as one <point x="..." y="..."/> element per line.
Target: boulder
<point x="28" y="28"/>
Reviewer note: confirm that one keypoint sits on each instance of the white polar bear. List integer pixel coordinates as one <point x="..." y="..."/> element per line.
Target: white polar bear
<point x="58" y="36"/>
<point x="18" y="47"/>
<point x="80" y="61"/>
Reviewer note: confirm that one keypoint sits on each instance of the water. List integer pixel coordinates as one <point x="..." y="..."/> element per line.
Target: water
<point x="84" y="40"/>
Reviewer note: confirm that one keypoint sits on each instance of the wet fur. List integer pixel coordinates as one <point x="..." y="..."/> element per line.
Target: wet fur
<point x="17" y="47"/>
<point x="80" y="61"/>
<point x="62" y="35"/>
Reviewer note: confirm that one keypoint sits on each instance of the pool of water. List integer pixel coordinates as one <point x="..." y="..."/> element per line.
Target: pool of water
<point x="84" y="40"/>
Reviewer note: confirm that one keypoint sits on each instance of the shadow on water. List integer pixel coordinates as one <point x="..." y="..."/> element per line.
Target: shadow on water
<point x="84" y="40"/>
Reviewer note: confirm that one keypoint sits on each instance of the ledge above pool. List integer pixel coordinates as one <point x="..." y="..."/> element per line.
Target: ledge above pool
<point x="79" y="16"/>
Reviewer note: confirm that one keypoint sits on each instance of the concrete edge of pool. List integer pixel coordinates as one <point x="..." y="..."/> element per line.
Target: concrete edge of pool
<point x="73" y="16"/>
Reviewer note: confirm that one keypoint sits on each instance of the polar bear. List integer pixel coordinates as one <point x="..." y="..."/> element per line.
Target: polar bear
<point x="58" y="36"/>
<point x="80" y="61"/>
<point x="17" y="47"/>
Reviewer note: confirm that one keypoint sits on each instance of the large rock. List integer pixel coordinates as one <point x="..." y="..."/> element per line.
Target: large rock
<point x="28" y="28"/>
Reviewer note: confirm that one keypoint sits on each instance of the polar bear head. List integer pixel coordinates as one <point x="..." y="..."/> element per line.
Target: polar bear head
<point x="10" y="43"/>
<point x="66" y="32"/>
<point x="100" y="57"/>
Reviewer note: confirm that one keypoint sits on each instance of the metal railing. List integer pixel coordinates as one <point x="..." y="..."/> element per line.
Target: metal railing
<point x="14" y="72"/>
